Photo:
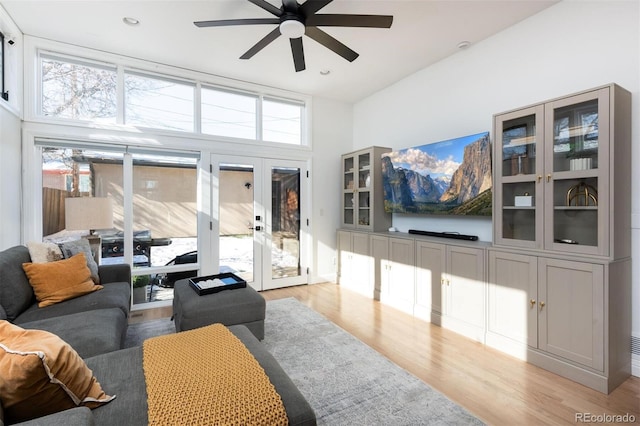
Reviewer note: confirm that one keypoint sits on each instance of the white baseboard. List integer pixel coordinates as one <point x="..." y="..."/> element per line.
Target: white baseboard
<point x="635" y="365"/>
<point x="317" y="279"/>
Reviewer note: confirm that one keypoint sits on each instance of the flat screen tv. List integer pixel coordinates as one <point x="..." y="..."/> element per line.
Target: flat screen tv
<point x="451" y="177"/>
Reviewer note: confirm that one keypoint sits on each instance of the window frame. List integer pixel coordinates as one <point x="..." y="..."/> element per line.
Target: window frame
<point x="255" y="96"/>
<point x="198" y="79"/>
<point x="158" y="77"/>
<point x="4" y="94"/>
<point x="73" y="61"/>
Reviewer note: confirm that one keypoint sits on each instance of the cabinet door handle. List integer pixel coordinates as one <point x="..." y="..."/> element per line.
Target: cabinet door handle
<point x="541" y="305"/>
<point x="549" y="178"/>
<point x="533" y="302"/>
<point x="539" y="178"/>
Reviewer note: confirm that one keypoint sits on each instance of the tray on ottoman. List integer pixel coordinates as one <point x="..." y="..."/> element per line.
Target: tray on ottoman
<point x="215" y="283"/>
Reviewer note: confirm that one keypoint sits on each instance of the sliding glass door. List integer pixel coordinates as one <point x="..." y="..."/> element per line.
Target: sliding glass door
<point x="154" y="196"/>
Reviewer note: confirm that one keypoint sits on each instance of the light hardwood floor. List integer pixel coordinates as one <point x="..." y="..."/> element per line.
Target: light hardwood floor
<point x="497" y="388"/>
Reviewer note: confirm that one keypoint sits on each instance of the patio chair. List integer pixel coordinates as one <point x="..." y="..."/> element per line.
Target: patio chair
<point x="167" y="280"/>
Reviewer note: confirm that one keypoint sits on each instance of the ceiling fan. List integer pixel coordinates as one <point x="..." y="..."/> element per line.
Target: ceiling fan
<point x="295" y="20"/>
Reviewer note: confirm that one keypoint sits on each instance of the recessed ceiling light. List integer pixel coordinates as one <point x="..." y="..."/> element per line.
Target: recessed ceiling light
<point x="130" y="21"/>
<point x="464" y="44"/>
<point x="325" y="72"/>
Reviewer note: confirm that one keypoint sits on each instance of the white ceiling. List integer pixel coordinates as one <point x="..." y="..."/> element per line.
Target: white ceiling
<point x="423" y="32"/>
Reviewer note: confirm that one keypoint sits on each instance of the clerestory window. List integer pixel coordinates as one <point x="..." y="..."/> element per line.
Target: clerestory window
<point x="78" y="90"/>
<point x="85" y="90"/>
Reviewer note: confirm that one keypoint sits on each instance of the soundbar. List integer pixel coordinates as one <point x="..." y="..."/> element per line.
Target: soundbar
<point x="454" y="235"/>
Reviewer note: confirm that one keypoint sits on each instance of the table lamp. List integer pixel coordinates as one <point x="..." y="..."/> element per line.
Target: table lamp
<point x="89" y="213"/>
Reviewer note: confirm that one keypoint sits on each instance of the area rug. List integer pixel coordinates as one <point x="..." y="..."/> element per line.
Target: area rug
<point x="345" y="381"/>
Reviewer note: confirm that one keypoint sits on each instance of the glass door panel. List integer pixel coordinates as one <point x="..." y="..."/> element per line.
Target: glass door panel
<point x="165" y="221"/>
<point x="577" y="131"/>
<point x="575" y="137"/>
<point x="519" y="146"/>
<point x="349" y="191"/>
<point x="518" y="186"/>
<point x="239" y="221"/>
<point x="363" y="194"/>
<point x="285" y="239"/>
<point x="285" y="222"/>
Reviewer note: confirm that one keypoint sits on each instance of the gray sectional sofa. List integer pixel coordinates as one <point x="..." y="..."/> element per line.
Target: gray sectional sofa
<point x="92" y="324"/>
<point x="95" y="326"/>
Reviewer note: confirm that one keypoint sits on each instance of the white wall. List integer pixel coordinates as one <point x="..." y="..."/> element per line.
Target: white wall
<point x="332" y="136"/>
<point x="10" y="181"/>
<point x="569" y="47"/>
<point x="10" y="147"/>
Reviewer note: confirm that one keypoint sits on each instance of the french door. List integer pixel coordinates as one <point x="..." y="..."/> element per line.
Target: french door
<point x="259" y="218"/>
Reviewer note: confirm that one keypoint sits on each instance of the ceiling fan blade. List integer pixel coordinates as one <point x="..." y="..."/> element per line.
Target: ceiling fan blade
<point x="268" y="7"/>
<point x="228" y="22"/>
<point x="290" y="5"/>
<point x="262" y="43"/>
<point x="340" y="20"/>
<point x="312" y="6"/>
<point x="331" y="43"/>
<point x="298" y="54"/>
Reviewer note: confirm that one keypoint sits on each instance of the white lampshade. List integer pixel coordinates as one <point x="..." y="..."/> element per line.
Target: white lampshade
<point x="88" y="213"/>
<point x="292" y="28"/>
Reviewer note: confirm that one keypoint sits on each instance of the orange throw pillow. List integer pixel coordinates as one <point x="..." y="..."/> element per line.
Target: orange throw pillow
<point x="41" y="374"/>
<point x="55" y="282"/>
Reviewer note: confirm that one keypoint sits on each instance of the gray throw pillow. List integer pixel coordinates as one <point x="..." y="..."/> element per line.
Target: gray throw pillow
<point x="16" y="294"/>
<point x="74" y="247"/>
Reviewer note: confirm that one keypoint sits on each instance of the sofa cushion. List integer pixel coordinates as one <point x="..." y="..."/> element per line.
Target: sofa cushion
<point x="113" y="295"/>
<point x="71" y="248"/>
<point x="3" y="316"/>
<point x="89" y="333"/>
<point x="56" y="282"/>
<point x="16" y="294"/>
<point x="44" y="252"/>
<point x="40" y="374"/>
<point x="122" y="374"/>
<point x="79" y="416"/>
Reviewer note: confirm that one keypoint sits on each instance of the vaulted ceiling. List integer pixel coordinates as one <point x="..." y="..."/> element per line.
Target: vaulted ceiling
<point x="423" y="32"/>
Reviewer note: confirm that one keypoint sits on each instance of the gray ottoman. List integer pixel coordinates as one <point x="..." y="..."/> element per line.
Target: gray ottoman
<point x="229" y="307"/>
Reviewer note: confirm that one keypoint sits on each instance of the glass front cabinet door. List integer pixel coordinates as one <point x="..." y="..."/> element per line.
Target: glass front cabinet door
<point x="553" y="173"/>
<point x="362" y="199"/>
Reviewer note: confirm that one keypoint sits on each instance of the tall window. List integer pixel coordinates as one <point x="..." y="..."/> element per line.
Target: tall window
<point x="158" y="103"/>
<point x="77" y="90"/>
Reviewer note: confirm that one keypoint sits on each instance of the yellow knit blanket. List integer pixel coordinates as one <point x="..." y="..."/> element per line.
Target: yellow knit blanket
<point x="207" y="376"/>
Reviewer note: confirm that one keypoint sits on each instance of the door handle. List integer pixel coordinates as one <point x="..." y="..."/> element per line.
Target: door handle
<point x="256" y="228"/>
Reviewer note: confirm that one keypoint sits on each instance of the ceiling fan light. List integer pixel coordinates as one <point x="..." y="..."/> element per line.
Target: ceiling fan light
<point x="292" y="28"/>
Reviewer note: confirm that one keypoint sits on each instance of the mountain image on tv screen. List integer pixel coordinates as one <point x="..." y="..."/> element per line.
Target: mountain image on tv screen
<point x="450" y="177"/>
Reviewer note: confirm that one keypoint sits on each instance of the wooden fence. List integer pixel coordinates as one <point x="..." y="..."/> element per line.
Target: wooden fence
<point x="53" y="210"/>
